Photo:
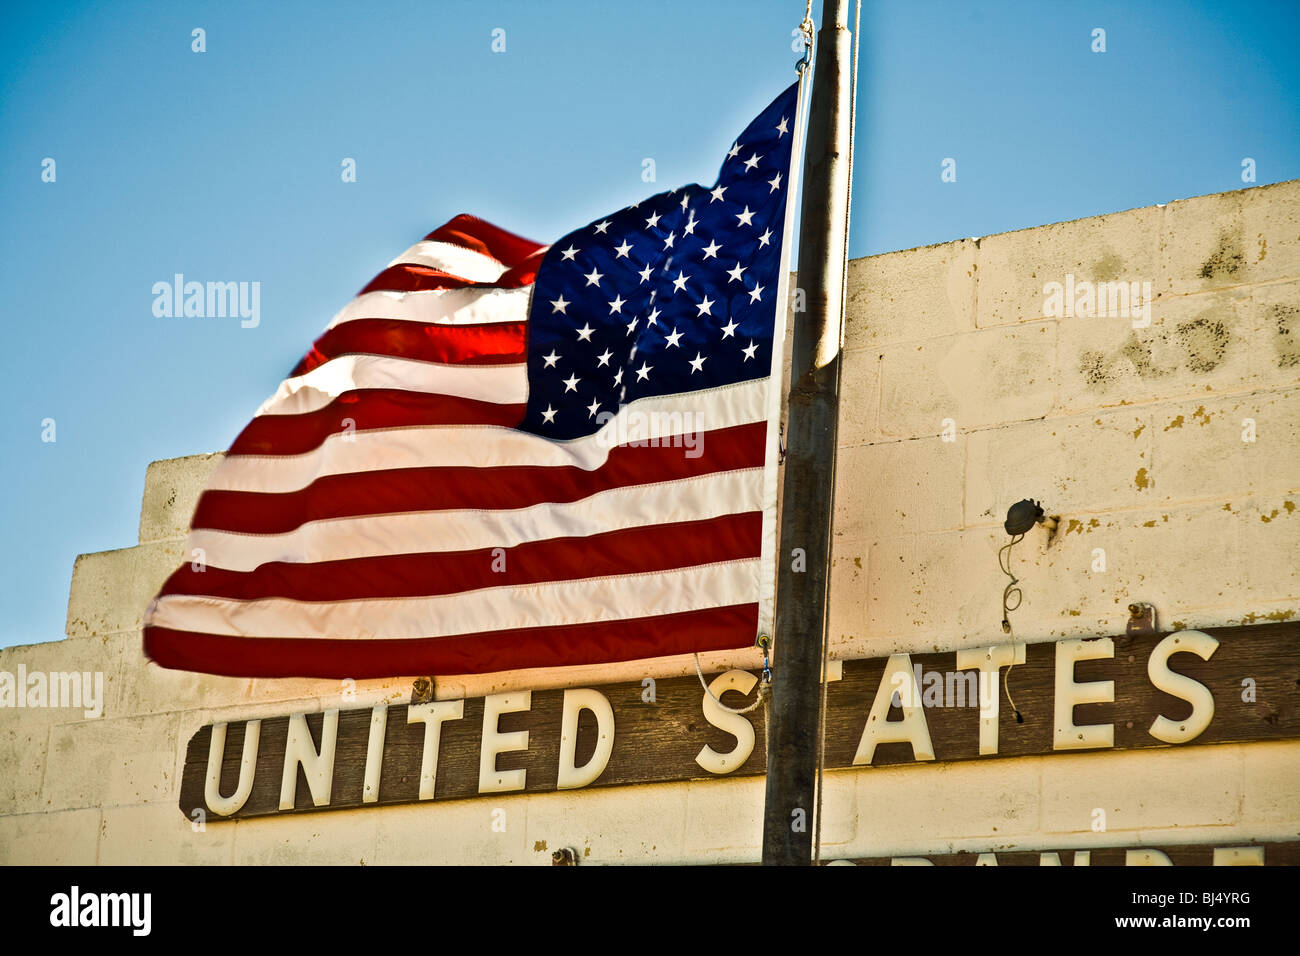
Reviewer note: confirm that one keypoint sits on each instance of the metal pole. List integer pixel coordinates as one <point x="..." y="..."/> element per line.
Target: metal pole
<point x="806" y="503"/>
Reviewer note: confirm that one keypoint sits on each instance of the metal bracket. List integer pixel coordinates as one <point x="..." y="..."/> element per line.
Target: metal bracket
<point x="1141" y="620"/>
<point x="565" y="856"/>
<point x="422" y="690"/>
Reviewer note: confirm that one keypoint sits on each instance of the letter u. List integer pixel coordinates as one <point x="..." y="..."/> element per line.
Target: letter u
<point x="225" y="806"/>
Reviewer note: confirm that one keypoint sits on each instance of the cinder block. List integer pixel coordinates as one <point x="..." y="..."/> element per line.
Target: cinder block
<point x="146" y="688"/>
<point x="912" y="805"/>
<point x="22" y="764"/>
<point x="1277" y="309"/>
<point x="93" y="657"/>
<point x="911" y="295"/>
<point x="478" y="832"/>
<point x="891" y="488"/>
<point x="724" y="819"/>
<point x="64" y="838"/>
<point x="1195" y="345"/>
<point x="1145" y="790"/>
<point x="1224" y="448"/>
<point x="975" y="379"/>
<point x="859" y="398"/>
<point x="109" y="763"/>
<point x="604" y="826"/>
<point x="1270" y="218"/>
<point x="337" y="838"/>
<point x="160" y="835"/>
<point x="1203" y="245"/>
<point x="1014" y="267"/>
<point x="1041" y="460"/>
<point x="111" y="589"/>
<point x="171" y="490"/>
<point x="1271" y="787"/>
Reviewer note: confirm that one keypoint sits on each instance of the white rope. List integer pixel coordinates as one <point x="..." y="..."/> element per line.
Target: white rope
<point x="760" y="700"/>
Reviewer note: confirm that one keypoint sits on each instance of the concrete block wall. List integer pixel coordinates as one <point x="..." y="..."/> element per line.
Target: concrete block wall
<point x="961" y="395"/>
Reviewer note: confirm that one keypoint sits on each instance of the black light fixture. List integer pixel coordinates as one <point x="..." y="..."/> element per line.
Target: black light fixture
<point x="1022" y="516"/>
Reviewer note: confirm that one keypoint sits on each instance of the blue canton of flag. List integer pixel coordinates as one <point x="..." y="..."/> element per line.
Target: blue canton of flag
<point x="673" y="294"/>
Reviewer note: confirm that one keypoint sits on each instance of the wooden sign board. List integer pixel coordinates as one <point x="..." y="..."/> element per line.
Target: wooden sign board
<point x="1232" y="854"/>
<point x="1192" y="687"/>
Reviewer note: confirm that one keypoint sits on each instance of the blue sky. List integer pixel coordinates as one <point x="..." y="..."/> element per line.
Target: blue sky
<point x="225" y="165"/>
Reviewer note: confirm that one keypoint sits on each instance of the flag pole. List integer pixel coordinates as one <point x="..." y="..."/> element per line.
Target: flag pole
<point x="807" y="498"/>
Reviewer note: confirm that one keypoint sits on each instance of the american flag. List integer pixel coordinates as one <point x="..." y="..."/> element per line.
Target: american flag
<point x="503" y="455"/>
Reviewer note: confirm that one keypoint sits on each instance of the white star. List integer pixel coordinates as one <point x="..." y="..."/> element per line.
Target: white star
<point x="571" y="383"/>
<point x="780" y="127"/>
<point x="644" y="274"/>
<point x="650" y="319"/>
<point x="584" y="333"/>
<point x="745" y="217"/>
<point x="749" y="352"/>
<point x="711" y="250"/>
<point x="602" y="226"/>
<point x="755" y="293"/>
<point x="594" y="277"/>
<point x="679" y="284"/>
<point x="616" y="305"/>
<point x="568" y="254"/>
<point x="774" y="183"/>
<point x="548" y="416"/>
<point x="717" y="192"/>
<point x="593" y="408"/>
<point x="603" y="359"/>
<point x="704" y="307"/>
<point x="735" y="273"/>
<point x="763" y="239"/>
<point x="618" y="379"/>
<point x="643" y="373"/>
<point x="697" y="363"/>
<point x="652" y="221"/>
<point x="685" y="199"/>
<point x="668" y="243"/>
<point x="551" y="359"/>
<point x="689" y="228"/>
<point x="631" y="327"/>
<point x="729" y="329"/>
<point x="625" y="248"/>
<point x="752" y="161"/>
<point x="560" y="305"/>
<point x="735" y="151"/>
<point x="672" y="339"/>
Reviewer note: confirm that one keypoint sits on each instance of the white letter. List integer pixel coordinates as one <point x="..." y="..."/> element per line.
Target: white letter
<point x="575" y="701"/>
<point x="319" y="768"/>
<point x="912" y="729"/>
<point x="432" y="715"/>
<point x="990" y="661"/>
<point x="1068" y="694"/>
<point x="225" y="806"/>
<point x="737" y="725"/>
<point x="490" y="779"/>
<point x="1180" y="685"/>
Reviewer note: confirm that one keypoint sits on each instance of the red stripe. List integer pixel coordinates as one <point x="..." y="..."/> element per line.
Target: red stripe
<point x="662" y="547"/>
<point x="407" y="277"/>
<point x="400" y="490"/>
<point x="473" y="233"/>
<point x="715" y="629"/>
<point x="367" y="408"/>
<point x="496" y="343"/>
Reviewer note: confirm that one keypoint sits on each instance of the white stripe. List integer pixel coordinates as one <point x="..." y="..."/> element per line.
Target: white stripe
<point x="485" y="446"/>
<point x="536" y="605"/>
<point x="441" y="306"/>
<point x="454" y="259"/>
<point x="417" y="532"/>
<point x="507" y="384"/>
